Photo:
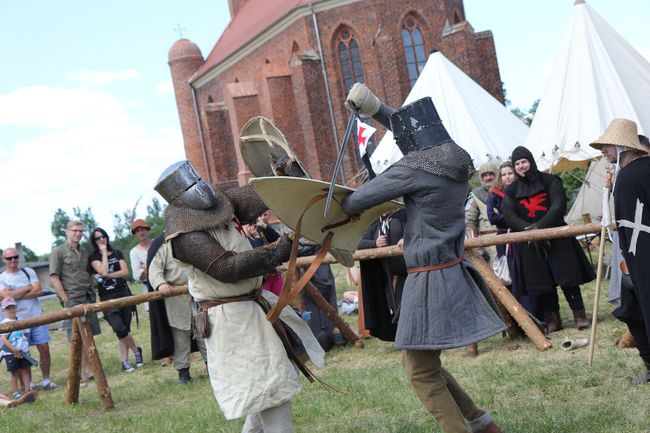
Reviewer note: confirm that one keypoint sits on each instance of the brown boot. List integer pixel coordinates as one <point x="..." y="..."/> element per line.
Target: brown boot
<point x="554" y="322"/>
<point x="490" y="428"/>
<point x="580" y="318"/>
<point x="471" y="350"/>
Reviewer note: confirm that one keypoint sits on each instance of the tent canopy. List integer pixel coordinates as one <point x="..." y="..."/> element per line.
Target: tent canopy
<point x="597" y="76"/>
<point x="474" y="119"/>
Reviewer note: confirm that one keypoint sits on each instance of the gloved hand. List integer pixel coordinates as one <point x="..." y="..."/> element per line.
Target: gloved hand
<point x="362" y="100"/>
<point x="286" y="166"/>
<point x="281" y="250"/>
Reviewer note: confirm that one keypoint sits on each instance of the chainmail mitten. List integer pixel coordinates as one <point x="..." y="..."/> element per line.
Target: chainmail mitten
<point x="281" y="250"/>
<point x="204" y="252"/>
<point x="247" y="204"/>
<point x="286" y="166"/>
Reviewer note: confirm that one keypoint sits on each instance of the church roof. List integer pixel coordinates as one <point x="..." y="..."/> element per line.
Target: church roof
<point x="253" y="18"/>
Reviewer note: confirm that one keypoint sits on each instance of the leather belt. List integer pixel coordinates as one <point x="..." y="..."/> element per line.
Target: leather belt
<point x="279" y="326"/>
<point x="436" y="267"/>
<point x="251" y="296"/>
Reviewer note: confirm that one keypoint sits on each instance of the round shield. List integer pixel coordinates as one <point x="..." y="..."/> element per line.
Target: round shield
<point x="288" y="197"/>
<point x="262" y="144"/>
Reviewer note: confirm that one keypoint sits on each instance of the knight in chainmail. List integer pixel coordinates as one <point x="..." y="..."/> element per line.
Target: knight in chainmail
<point x="250" y="370"/>
<point x="445" y="304"/>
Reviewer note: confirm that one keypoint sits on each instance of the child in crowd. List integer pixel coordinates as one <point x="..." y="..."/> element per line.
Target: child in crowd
<point x="15" y="350"/>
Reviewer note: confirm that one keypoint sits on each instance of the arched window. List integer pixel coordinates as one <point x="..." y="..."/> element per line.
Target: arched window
<point x="349" y="58"/>
<point x="413" y="48"/>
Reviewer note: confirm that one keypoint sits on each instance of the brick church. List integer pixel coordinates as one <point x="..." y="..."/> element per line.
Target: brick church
<point x="293" y="61"/>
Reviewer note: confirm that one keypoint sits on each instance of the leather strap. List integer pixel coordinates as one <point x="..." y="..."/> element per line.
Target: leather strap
<point x="251" y="296"/>
<point x="436" y="267"/>
<point x="288" y="293"/>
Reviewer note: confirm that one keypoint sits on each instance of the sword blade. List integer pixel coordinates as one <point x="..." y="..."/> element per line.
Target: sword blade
<point x="339" y="161"/>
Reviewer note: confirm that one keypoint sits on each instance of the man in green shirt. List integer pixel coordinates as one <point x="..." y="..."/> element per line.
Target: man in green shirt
<point x="72" y="282"/>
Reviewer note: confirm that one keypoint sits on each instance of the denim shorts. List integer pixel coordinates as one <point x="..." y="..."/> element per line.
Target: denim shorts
<point x="39" y="335"/>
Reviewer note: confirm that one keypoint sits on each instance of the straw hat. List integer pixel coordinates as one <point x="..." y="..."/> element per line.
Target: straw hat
<point x="620" y="132"/>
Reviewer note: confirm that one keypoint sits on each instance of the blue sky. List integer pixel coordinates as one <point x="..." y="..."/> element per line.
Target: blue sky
<point x="87" y="111"/>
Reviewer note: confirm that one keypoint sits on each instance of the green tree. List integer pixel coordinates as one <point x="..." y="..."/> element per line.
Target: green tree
<point x="30" y="256"/>
<point x="124" y="240"/>
<point x="572" y="180"/>
<point x="156" y="217"/>
<point x="61" y="220"/>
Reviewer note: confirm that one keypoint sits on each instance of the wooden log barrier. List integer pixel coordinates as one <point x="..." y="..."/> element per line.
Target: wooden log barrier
<point x="80" y="310"/>
<point x="333" y="315"/>
<point x="74" y="370"/>
<point x="503" y="295"/>
<point x="479" y="242"/>
<point x="95" y="363"/>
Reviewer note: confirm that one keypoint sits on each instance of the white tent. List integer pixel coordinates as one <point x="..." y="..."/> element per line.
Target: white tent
<point x="597" y="76"/>
<point x="474" y="119"/>
<point x="589" y="199"/>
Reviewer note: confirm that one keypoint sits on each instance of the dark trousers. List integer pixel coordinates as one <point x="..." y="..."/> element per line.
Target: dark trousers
<point x="631" y="314"/>
<point x="551" y="302"/>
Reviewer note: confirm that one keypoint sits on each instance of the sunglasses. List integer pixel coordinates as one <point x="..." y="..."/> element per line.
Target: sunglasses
<point x="11" y="258"/>
<point x="98" y="238"/>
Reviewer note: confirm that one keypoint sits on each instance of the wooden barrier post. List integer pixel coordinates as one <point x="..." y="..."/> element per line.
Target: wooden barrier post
<point x="504" y="296"/>
<point x="74" y="371"/>
<point x="96" y="364"/>
<point x="333" y="315"/>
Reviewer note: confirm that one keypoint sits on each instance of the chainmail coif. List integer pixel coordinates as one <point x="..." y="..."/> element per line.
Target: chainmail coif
<point x="447" y="160"/>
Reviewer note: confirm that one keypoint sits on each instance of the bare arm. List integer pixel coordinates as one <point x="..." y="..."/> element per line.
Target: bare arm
<point x="123" y="272"/>
<point x="58" y="287"/>
<point x="18" y="293"/>
<point x="30" y="291"/>
<point x="15" y="351"/>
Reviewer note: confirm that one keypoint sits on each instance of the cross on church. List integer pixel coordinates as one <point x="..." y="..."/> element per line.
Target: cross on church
<point x="636" y="226"/>
<point x="179" y="29"/>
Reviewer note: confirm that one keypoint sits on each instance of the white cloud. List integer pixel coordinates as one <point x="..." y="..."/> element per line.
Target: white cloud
<point x="164" y="88"/>
<point x="93" y="78"/>
<point x="91" y="154"/>
<point x="52" y="107"/>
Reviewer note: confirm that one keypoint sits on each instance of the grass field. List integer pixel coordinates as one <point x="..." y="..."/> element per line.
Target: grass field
<point x="527" y="391"/>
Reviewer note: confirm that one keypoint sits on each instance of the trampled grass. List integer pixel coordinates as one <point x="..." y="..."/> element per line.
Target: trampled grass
<point x="527" y="391"/>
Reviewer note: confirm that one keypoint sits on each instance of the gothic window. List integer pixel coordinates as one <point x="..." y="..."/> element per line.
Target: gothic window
<point x="413" y="48"/>
<point x="349" y="58"/>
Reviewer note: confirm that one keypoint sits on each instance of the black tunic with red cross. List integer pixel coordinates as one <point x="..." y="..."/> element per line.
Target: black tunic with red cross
<point x="544" y="265"/>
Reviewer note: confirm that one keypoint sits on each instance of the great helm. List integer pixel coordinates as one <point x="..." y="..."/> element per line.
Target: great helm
<point x="181" y="181"/>
<point x="417" y="126"/>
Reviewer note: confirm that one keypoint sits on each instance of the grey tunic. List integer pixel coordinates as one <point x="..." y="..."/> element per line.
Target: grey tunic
<point x="440" y="309"/>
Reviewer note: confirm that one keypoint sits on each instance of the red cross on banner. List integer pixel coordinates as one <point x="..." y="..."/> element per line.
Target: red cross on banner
<point x="364" y="132"/>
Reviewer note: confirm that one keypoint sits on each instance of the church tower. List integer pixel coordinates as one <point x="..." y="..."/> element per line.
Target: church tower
<point x="184" y="60"/>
